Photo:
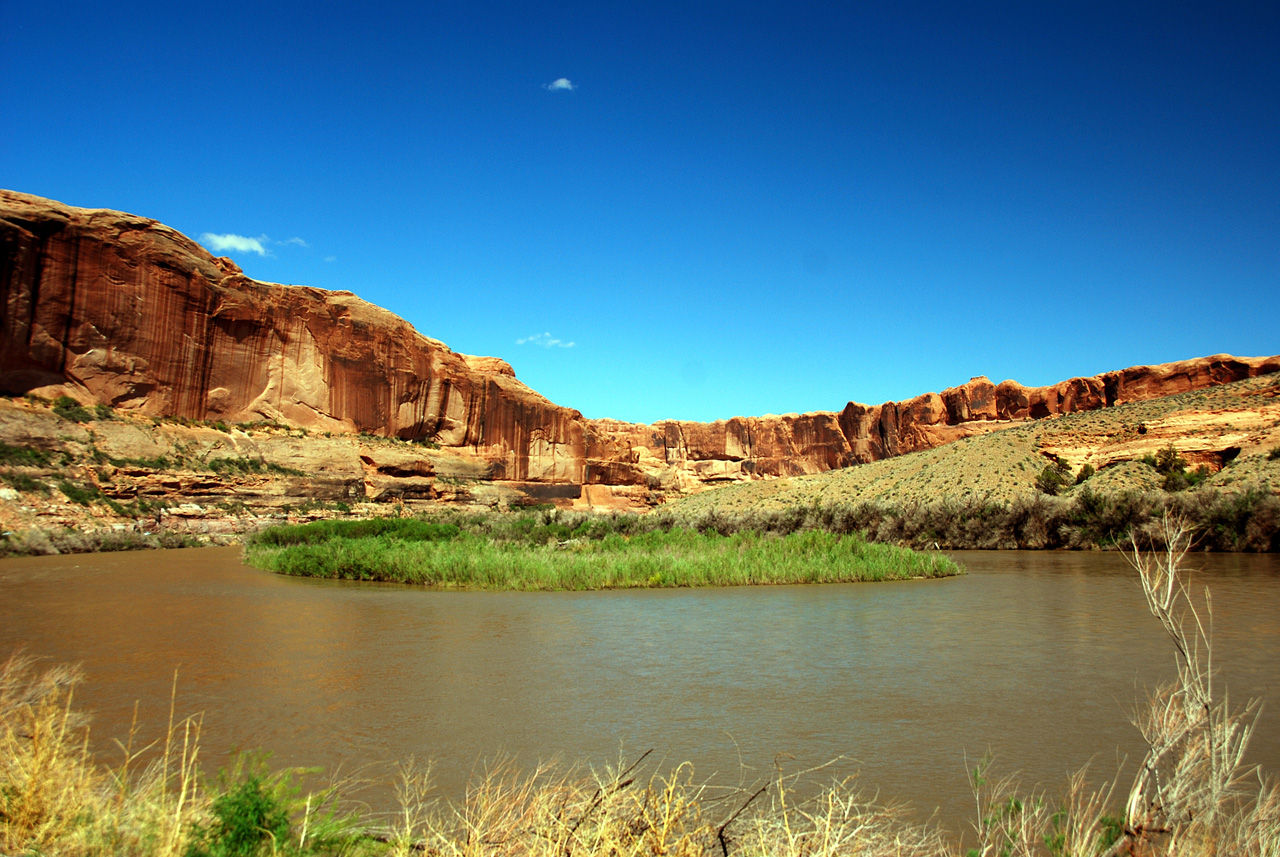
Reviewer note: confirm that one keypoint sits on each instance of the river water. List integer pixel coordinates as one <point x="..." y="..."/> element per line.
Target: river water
<point x="1037" y="657"/>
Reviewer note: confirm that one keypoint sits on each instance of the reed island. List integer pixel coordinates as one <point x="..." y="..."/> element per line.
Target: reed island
<point x="551" y="550"/>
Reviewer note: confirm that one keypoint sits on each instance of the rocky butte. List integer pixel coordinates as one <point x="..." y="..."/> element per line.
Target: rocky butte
<point x="112" y="308"/>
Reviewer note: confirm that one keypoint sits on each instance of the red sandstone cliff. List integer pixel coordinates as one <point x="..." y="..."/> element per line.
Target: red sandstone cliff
<point x="120" y="309"/>
<point x="115" y="308"/>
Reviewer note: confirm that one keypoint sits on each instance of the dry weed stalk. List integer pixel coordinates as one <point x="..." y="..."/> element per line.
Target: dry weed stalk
<point x="1188" y="796"/>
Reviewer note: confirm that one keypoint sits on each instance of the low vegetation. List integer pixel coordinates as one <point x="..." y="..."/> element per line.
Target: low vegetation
<point x="40" y="542"/>
<point x="69" y="409"/>
<point x="27" y="484"/>
<point x="1086" y="519"/>
<point x="79" y="493"/>
<point x="1054" y="478"/>
<point x="1082" y="519"/>
<point x="568" y="551"/>
<point x="24" y="456"/>
<point x="1191" y="794"/>
<point x="1170" y="464"/>
<point x="1244" y="521"/>
<point x="242" y="465"/>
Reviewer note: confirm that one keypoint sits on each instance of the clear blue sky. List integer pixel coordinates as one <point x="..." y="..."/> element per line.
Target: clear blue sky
<point x="726" y="208"/>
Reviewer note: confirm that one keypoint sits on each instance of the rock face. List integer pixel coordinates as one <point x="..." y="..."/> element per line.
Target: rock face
<point x="113" y="308"/>
<point x="119" y="309"/>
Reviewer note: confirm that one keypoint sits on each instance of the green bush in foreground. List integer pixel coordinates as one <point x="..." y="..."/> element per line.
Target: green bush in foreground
<point x="248" y="819"/>
<point x="444" y="554"/>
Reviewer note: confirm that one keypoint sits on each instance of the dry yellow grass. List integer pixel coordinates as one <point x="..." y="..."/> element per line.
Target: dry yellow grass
<point x="55" y="797"/>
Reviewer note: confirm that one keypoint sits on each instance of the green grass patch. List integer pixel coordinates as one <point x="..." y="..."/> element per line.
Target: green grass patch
<point x="82" y="494"/>
<point x="532" y="554"/>
<point x="23" y="456"/>
<point x="139" y="507"/>
<point x="69" y="409"/>
<point x="160" y="462"/>
<point x="232" y="466"/>
<point x="263" y="425"/>
<point x="22" y="482"/>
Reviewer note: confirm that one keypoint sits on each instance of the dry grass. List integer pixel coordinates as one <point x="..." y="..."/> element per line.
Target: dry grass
<point x="559" y="812"/>
<point x="1192" y="793"/>
<point x="55" y="798"/>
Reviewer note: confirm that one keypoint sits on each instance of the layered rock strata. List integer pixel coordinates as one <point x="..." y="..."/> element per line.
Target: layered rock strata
<point x="113" y="308"/>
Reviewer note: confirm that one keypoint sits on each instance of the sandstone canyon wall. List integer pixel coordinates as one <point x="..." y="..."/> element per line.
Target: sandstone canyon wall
<point x="110" y="307"/>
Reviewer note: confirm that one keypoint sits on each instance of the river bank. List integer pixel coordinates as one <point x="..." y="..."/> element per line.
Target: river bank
<point x="1244" y="521"/>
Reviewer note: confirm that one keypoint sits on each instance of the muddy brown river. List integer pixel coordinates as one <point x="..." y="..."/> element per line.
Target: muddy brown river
<point x="1039" y="658"/>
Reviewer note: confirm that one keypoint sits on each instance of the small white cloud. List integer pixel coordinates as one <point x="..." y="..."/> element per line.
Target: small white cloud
<point x="560" y="84"/>
<point x="296" y="241"/>
<point x="331" y="258"/>
<point x="238" y="243"/>
<point x="546" y="340"/>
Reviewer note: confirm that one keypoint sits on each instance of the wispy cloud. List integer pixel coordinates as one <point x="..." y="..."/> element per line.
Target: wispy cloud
<point x="295" y="241"/>
<point x="238" y="243"/>
<point x="560" y="84"/>
<point x="546" y="340"/>
<point x="331" y="258"/>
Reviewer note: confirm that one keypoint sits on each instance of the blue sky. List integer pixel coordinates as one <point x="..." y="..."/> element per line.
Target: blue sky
<point x="724" y="209"/>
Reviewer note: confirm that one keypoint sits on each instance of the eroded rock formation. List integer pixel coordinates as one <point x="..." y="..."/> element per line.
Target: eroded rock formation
<point x="120" y="309"/>
<point x="114" y="308"/>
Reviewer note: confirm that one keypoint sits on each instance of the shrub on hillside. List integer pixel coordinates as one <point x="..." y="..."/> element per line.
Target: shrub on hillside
<point x="25" y="483"/>
<point x="1054" y="478"/>
<point x="69" y="409"/>
<point x="1170" y="464"/>
<point x="23" y="456"/>
<point x="82" y="494"/>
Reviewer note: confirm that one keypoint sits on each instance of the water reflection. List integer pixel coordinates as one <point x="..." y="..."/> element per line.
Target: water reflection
<point x="1038" y="657"/>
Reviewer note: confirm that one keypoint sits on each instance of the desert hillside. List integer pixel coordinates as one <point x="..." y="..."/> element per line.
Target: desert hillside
<point x="1231" y="431"/>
